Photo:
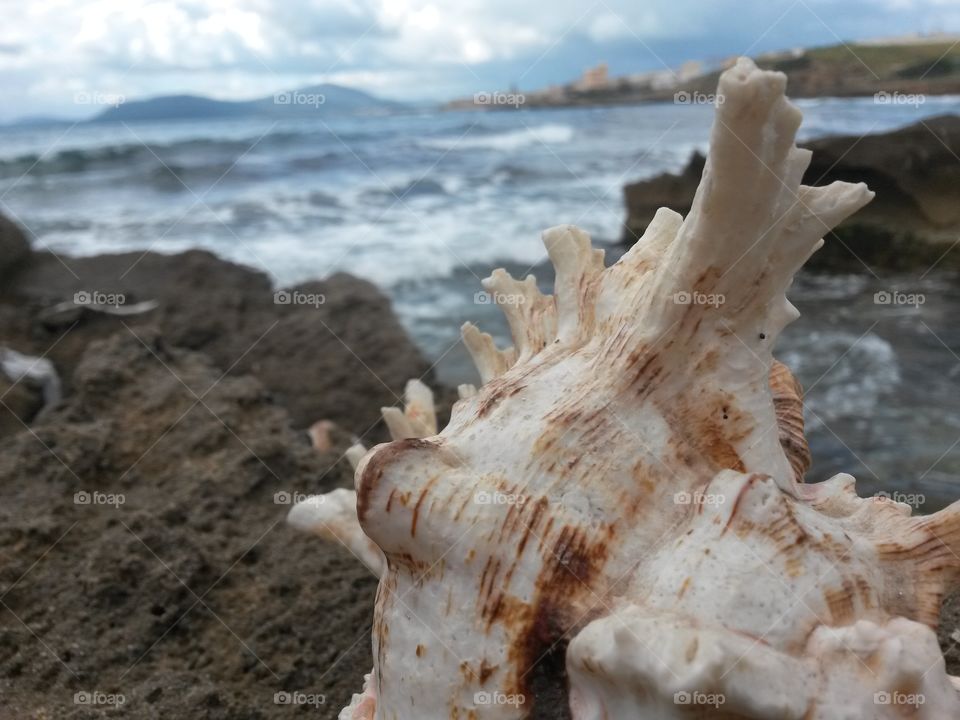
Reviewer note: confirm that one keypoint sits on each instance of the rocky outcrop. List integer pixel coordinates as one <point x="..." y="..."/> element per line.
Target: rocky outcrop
<point x="327" y="349"/>
<point x="913" y="222"/>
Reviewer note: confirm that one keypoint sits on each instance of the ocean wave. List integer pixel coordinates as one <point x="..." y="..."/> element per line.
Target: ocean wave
<point x="848" y="375"/>
<point x="190" y="153"/>
<point x="73" y="160"/>
<point x="403" y="191"/>
<point x="810" y="286"/>
<point x="418" y="186"/>
<point x="198" y="176"/>
<point x="549" y="134"/>
<point x="516" y="172"/>
<point x="320" y="161"/>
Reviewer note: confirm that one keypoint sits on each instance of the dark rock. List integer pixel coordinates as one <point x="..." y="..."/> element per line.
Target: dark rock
<point x="645" y="197"/>
<point x="20" y="403"/>
<point x="14" y="248"/>
<point x="913" y="222"/>
<point x="341" y="357"/>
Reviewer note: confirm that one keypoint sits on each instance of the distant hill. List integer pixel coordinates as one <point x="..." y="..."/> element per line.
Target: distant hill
<point x="315" y="101"/>
<point x="858" y="69"/>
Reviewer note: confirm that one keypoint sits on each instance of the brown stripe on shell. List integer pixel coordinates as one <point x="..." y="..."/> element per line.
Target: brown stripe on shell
<point x="788" y="404"/>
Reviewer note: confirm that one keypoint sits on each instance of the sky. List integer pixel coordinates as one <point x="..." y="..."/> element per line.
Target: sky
<point x="59" y="56"/>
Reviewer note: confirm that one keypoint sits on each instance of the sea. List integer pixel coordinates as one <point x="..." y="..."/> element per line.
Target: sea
<point x="425" y="203"/>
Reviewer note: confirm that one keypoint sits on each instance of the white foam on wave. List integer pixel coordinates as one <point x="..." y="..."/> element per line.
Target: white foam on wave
<point x="851" y="374"/>
<point x="549" y="134"/>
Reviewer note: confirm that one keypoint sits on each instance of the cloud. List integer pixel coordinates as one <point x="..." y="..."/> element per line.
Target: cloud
<point x="50" y="49"/>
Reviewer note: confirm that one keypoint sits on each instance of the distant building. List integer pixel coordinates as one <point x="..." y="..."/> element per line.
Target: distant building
<point x="666" y="79"/>
<point x="595" y="78"/>
<point x="689" y="70"/>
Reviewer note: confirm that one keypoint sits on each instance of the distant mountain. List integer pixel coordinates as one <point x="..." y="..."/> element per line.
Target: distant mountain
<point x="314" y="101"/>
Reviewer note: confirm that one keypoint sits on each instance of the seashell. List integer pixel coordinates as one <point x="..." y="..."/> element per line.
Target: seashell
<point x="617" y="513"/>
<point x="788" y="406"/>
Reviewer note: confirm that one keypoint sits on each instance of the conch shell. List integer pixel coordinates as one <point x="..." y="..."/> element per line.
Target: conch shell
<point x="618" y="513"/>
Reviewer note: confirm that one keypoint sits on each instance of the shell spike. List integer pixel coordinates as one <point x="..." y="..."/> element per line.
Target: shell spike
<point x="530" y="314"/>
<point x="575" y="264"/>
<point x="490" y="361"/>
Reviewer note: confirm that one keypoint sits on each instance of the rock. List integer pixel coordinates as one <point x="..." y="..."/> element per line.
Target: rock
<point x="912" y="222"/>
<point x="14" y="248"/>
<point x="645" y="197"/>
<point x="20" y="404"/>
<point x="174" y="581"/>
<point x="334" y="351"/>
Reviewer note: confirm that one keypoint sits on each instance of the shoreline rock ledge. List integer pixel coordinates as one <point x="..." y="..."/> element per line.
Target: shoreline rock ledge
<point x="329" y="349"/>
<point x="913" y="221"/>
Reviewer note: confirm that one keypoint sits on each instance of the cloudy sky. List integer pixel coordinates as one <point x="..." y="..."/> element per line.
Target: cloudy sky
<point x="50" y="50"/>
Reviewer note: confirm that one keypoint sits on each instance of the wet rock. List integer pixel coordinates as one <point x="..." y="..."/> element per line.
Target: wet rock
<point x="14" y="248"/>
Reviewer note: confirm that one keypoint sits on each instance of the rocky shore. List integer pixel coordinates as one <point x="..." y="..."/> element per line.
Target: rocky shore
<point x="142" y="536"/>
<point x="912" y="223"/>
